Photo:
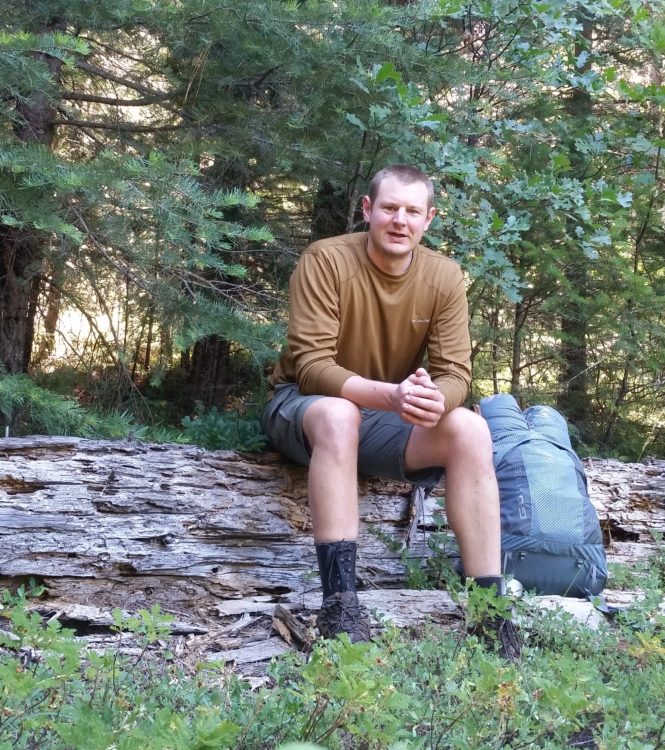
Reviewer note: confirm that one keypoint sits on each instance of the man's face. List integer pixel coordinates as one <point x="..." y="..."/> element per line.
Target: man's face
<point x="398" y="218"/>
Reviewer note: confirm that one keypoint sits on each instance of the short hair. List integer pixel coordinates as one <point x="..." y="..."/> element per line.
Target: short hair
<point x="406" y="174"/>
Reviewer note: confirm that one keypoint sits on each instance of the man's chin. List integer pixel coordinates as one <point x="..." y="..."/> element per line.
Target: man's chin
<point x="398" y="248"/>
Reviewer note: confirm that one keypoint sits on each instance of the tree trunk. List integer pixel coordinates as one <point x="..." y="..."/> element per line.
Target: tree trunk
<point x="209" y="370"/>
<point x="329" y="215"/>
<point x="519" y="317"/>
<point x="53" y="303"/>
<point x="494" y="322"/>
<point x="19" y="262"/>
<point x="573" y="398"/>
<point x="21" y="250"/>
<point x="121" y="523"/>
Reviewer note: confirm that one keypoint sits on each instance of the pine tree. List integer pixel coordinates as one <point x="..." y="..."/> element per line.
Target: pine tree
<point x="103" y="195"/>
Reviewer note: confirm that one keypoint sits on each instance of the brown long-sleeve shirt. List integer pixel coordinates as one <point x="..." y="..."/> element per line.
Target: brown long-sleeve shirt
<point x="347" y="317"/>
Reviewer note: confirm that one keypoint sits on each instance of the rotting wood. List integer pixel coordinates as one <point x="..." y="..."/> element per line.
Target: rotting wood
<point x="211" y="536"/>
<point x="291" y="629"/>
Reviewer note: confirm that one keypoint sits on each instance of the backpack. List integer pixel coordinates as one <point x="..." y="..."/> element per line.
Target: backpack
<point x="551" y="539"/>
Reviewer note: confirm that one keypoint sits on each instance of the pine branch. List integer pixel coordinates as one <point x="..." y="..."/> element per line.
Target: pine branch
<point x="123" y="270"/>
<point x="114" y="101"/>
<point x="107" y="75"/>
<point x="122" y="127"/>
<point x="120" y="53"/>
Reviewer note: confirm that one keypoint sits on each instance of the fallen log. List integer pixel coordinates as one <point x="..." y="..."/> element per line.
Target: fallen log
<point x="215" y="536"/>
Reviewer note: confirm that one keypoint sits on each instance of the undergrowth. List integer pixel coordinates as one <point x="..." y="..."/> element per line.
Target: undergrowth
<point x="434" y="690"/>
<point x="26" y="408"/>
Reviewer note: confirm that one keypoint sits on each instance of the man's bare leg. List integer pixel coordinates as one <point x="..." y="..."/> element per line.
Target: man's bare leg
<point x="332" y="427"/>
<point x="462" y="443"/>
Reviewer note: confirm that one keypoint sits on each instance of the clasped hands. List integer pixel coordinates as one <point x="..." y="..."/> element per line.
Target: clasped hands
<point x="418" y="401"/>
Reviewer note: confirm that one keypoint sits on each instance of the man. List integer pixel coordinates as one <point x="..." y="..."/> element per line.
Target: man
<point x="351" y="393"/>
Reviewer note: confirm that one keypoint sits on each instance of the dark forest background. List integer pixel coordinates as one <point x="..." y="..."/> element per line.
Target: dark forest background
<point x="163" y="164"/>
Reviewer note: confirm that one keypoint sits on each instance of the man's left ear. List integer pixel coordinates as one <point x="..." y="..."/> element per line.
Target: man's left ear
<point x="367" y="207"/>
<point x="430" y="215"/>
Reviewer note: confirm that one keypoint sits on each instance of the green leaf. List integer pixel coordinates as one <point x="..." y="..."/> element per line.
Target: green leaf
<point x="354" y="120"/>
<point x="561" y="162"/>
<point x="387" y="71"/>
<point x="624" y="199"/>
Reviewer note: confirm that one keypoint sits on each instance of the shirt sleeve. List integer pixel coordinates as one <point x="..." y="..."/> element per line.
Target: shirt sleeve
<point x="449" y="344"/>
<point x="314" y="326"/>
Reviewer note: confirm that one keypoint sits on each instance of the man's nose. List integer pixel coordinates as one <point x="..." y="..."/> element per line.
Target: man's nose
<point x="399" y="217"/>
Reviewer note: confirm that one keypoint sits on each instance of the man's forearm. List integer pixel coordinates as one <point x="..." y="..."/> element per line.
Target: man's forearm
<point x="369" y="394"/>
<point x="417" y="400"/>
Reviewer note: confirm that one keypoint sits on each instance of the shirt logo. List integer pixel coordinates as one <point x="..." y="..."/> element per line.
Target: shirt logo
<point x="420" y="320"/>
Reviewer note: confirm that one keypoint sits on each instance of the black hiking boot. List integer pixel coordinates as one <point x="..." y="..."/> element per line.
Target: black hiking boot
<point x="343" y="613"/>
<point x="337" y="566"/>
<point x="500" y="635"/>
<point x="494" y="626"/>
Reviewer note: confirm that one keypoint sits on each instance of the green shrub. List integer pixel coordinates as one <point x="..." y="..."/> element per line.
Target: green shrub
<point x="30" y="409"/>
<point x="440" y="690"/>
<point x="230" y="430"/>
<point x="27" y="408"/>
<point x="55" y="694"/>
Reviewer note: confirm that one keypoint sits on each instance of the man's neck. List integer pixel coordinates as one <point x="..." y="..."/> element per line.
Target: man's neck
<point x="391" y="266"/>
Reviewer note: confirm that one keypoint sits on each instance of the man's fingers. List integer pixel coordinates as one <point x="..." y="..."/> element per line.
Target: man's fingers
<point x="425" y="410"/>
<point x="418" y="400"/>
<point x="421" y="377"/>
<point x="425" y="398"/>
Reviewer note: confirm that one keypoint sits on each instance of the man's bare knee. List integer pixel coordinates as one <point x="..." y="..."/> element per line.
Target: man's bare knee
<point x="464" y="434"/>
<point x="461" y="438"/>
<point x="332" y="420"/>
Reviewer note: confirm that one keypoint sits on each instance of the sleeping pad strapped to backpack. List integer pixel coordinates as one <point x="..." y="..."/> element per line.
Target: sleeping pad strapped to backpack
<point x="550" y="535"/>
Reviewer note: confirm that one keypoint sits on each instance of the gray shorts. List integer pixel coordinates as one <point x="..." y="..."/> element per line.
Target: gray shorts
<point x="383" y="438"/>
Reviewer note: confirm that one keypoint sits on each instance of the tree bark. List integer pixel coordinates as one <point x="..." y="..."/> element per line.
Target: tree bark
<point x="330" y="211"/>
<point x="21" y="250"/>
<point x="206" y="534"/>
<point x="19" y="263"/>
<point x="209" y="371"/>
<point x="519" y="317"/>
<point x="573" y="400"/>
